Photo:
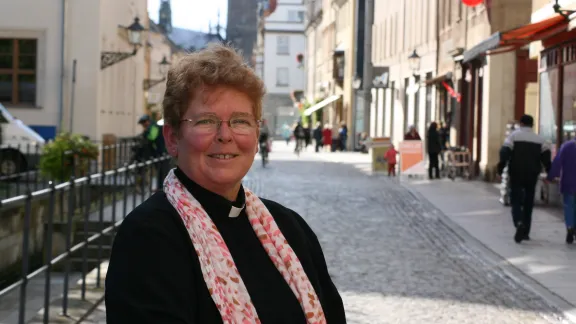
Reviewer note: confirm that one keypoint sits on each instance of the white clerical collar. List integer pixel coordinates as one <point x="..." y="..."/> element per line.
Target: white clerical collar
<point x="235" y="211"/>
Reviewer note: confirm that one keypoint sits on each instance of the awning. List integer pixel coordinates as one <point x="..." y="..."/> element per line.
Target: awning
<point x="439" y="79"/>
<point x="514" y="39"/>
<point x="321" y="104"/>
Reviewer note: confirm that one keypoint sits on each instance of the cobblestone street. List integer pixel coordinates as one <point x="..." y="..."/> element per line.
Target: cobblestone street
<point x="391" y="255"/>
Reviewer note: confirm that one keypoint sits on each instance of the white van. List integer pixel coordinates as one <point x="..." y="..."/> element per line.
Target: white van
<point x="20" y="146"/>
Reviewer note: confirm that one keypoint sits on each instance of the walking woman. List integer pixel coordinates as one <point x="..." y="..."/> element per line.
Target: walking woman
<point x="208" y="250"/>
<point x="433" y="147"/>
<point x="564" y="166"/>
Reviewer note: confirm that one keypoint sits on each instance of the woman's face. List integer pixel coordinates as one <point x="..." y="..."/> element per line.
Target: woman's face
<point x="216" y="158"/>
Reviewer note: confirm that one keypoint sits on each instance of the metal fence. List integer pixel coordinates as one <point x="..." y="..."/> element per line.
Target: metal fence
<point x="87" y="210"/>
<point x="19" y="165"/>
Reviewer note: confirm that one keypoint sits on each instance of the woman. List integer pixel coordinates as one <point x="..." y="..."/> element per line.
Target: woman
<point x="207" y="250"/>
<point x="434" y="147"/>
<point x="564" y="168"/>
<point x="412" y="134"/>
<point x="327" y="137"/>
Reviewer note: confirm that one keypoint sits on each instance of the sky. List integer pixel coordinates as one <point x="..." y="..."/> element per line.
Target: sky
<point x="193" y="14"/>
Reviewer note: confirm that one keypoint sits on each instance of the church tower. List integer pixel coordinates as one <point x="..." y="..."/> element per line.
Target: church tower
<point x="165" y="16"/>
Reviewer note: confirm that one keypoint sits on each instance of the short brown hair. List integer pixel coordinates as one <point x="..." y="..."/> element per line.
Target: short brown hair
<point x="216" y="65"/>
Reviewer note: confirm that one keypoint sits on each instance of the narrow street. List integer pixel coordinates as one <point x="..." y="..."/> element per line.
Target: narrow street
<point x="391" y="256"/>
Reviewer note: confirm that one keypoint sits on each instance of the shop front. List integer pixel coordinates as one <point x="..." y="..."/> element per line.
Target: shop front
<point x="475" y="65"/>
<point x="557" y="109"/>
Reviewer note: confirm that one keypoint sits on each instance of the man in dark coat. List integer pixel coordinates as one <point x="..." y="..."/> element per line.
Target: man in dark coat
<point x="525" y="152"/>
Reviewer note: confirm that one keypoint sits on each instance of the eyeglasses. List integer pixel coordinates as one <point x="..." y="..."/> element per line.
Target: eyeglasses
<point x="208" y="124"/>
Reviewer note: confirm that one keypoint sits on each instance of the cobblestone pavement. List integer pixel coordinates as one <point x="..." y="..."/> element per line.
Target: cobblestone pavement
<point x="390" y="255"/>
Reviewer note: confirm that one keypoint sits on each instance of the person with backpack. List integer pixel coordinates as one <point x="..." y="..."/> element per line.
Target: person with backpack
<point x="155" y="147"/>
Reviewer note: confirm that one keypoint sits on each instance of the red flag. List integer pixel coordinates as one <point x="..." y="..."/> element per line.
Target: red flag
<point x="452" y="92"/>
<point x="472" y="3"/>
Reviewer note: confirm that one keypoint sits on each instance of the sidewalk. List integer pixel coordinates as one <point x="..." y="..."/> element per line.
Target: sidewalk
<point x="474" y="207"/>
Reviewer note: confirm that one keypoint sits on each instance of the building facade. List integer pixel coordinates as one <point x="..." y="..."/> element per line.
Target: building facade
<point x="56" y="79"/>
<point x="331" y="62"/>
<point x="282" y="40"/>
<point x="460" y="77"/>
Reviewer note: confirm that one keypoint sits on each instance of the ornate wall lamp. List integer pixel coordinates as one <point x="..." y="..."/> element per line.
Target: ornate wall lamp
<point x="134" y="38"/>
<point x="564" y="12"/>
<point x="414" y="62"/>
<point x="164" y="67"/>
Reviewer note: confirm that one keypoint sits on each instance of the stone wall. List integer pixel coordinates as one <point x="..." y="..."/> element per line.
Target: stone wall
<point x="12" y="225"/>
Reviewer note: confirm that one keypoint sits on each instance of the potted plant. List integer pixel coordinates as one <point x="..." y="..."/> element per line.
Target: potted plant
<point x="67" y="155"/>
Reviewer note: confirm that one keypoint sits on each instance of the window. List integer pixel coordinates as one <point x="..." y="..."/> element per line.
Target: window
<point x="18" y="71"/>
<point x="548" y="106"/>
<point x="282" y="79"/>
<point x="283" y="45"/>
<point x="296" y="16"/>
<point x="569" y="103"/>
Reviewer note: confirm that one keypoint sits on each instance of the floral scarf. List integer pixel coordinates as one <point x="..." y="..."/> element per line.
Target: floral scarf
<point x="218" y="268"/>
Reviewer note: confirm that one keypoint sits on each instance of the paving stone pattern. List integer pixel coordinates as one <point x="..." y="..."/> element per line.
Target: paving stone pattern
<point x="389" y="253"/>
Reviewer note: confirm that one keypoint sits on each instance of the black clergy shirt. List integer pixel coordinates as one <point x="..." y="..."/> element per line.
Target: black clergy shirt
<point x="154" y="275"/>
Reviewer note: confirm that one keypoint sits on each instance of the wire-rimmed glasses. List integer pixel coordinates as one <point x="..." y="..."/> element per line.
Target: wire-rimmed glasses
<point x="242" y="124"/>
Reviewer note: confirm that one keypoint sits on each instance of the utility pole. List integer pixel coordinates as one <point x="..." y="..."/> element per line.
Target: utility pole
<point x="368" y="75"/>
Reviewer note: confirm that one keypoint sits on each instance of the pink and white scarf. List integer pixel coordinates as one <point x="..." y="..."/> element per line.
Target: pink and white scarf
<point x="218" y="268"/>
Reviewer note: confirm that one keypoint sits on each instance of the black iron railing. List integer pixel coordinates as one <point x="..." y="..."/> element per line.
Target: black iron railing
<point x="19" y="165"/>
<point x="82" y="214"/>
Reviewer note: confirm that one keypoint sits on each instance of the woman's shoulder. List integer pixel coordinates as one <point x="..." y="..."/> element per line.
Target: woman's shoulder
<point x="155" y="213"/>
<point x="288" y="219"/>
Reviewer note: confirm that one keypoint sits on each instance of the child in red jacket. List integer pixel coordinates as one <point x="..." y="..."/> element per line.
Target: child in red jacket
<point x="390" y="157"/>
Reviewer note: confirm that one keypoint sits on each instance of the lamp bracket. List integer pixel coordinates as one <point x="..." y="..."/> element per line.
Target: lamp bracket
<point x="564" y="12"/>
<point x="110" y="58"/>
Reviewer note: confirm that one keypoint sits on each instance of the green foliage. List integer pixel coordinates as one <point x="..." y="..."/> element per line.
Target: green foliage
<point x="67" y="153"/>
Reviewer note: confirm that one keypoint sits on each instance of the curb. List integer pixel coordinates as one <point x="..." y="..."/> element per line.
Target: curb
<point x="555" y="301"/>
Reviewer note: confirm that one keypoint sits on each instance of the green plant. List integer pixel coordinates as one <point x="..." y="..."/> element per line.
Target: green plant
<point x="68" y="153"/>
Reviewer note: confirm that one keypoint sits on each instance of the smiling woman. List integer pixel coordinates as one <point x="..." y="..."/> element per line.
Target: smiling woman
<point x="206" y="249"/>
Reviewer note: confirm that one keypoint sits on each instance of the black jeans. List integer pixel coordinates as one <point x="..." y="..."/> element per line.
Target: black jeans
<point x="522" y="200"/>
<point x="433" y="159"/>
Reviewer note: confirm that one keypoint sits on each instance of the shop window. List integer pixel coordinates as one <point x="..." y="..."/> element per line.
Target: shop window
<point x="569" y="103"/>
<point x="548" y="105"/>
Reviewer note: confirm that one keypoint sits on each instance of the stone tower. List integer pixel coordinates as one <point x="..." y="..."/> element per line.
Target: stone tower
<point x="165" y="16"/>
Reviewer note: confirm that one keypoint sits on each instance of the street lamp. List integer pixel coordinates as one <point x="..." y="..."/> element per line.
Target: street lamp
<point x="564" y="12"/>
<point x="164" y="66"/>
<point x="134" y="38"/>
<point x="414" y="62"/>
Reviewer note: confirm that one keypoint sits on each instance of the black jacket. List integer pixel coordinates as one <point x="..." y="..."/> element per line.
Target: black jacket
<point x="525" y="152"/>
<point x="433" y="144"/>
<point x="154" y="275"/>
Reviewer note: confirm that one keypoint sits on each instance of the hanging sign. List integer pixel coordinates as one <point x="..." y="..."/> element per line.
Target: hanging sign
<point x="472" y="3"/>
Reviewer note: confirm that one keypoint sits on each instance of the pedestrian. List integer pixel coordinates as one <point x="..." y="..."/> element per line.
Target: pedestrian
<point x="318" y="137"/>
<point x="327" y="137"/>
<point x="564" y="167"/>
<point x="390" y="157"/>
<point x="525" y="152"/>
<point x="299" y="134"/>
<point x="412" y="134"/>
<point x="155" y="147"/>
<point x="343" y="136"/>
<point x="208" y="250"/>
<point x="433" y="147"/>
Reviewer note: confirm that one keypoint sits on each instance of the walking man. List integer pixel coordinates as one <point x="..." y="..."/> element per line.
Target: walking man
<point x="525" y="152"/>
